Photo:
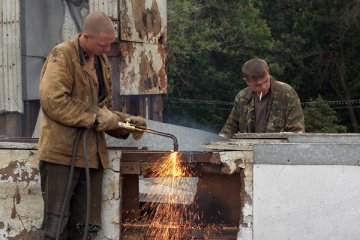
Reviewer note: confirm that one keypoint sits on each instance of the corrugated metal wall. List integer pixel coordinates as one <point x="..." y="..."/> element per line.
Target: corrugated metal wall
<point x="139" y="73"/>
<point x="110" y="7"/>
<point x="10" y="63"/>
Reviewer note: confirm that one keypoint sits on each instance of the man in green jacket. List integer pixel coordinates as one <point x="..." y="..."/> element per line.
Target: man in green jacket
<point x="76" y="98"/>
<point x="265" y="106"/>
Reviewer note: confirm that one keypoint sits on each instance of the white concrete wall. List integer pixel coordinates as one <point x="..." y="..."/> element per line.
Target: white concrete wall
<point x="306" y="202"/>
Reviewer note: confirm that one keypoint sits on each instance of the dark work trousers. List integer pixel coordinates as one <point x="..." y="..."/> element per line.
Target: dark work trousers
<point x="54" y="182"/>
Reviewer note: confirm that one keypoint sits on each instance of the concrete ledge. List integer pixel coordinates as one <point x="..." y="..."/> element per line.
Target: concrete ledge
<point x="324" y="138"/>
<point x="307" y="154"/>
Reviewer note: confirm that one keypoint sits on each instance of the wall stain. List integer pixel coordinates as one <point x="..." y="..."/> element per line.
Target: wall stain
<point x="148" y="76"/>
<point x="162" y="50"/>
<point x="27" y="235"/>
<point x="20" y="175"/>
<point x="125" y="22"/>
<point x="16" y="200"/>
<point x="147" y="21"/>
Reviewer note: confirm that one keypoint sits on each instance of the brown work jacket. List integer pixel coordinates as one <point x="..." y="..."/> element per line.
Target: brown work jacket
<point x="69" y="100"/>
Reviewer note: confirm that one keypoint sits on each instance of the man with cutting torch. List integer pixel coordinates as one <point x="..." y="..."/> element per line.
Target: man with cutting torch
<point x="76" y="100"/>
<point x="265" y="106"/>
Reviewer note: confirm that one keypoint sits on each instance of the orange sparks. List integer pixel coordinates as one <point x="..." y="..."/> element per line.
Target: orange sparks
<point x="169" y="210"/>
<point x="168" y="167"/>
<point x="170" y="200"/>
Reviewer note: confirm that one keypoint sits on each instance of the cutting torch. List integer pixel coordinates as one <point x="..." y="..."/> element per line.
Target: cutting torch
<point x="127" y="125"/>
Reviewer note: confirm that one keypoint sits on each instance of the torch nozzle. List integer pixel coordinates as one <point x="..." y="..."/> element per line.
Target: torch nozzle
<point x="128" y="126"/>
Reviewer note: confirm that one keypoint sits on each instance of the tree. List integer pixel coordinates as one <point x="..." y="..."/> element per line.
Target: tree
<point x="321" y="118"/>
<point x="208" y="42"/>
<point x="312" y="45"/>
<point x="318" y="46"/>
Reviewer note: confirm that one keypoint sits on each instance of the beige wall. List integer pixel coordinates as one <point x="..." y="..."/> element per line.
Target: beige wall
<point x="21" y="205"/>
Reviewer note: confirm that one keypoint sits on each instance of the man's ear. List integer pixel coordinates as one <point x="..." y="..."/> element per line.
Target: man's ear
<point x="86" y="35"/>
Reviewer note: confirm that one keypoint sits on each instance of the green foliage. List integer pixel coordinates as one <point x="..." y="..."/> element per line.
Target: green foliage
<point x="312" y="45"/>
<point x="318" y="45"/>
<point x="321" y="118"/>
<point x="208" y="41"/>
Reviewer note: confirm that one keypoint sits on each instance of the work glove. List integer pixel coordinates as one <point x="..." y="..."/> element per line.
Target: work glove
<point x="122" y="116"/>
<point x="106" y="120"/>
<point x="138" y="122"/>
<point x="225" y="135"/>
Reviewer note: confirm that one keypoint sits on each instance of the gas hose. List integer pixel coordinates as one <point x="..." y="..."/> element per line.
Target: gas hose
<point x="71" y="176"/>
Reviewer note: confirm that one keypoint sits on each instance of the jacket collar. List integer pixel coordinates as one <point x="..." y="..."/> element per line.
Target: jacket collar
<point x="79" y="49"/>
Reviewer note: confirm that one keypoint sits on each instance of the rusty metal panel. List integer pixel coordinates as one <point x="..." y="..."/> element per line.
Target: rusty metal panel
<point x="143" y="21"/>
<point x="218" y="207"/>
<point x="130" y="210"/>
<point x="10" y="62"/>
<point x="151" y="156"/>
<point x="142" y="69"/>
<point x="110" y="7"/>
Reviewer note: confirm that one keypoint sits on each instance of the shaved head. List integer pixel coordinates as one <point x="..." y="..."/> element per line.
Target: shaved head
<point x="97" y="23"/>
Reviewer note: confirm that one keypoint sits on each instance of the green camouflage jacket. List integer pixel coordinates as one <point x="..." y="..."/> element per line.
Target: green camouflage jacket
<point x="284" y="112"/>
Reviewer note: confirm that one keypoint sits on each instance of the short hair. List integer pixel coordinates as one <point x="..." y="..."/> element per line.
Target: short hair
<point x="98" y="22"/>
<point x="255" y="69"/>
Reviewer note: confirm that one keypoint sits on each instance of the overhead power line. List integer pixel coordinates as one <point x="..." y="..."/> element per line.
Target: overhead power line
<point x="335" y="103"/>
<point x="198" y="101"/>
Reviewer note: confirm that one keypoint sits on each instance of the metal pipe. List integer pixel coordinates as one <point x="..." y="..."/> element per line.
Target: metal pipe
<point x="128" y="126"/>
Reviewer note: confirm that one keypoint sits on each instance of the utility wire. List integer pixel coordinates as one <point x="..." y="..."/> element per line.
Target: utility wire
<point x="336" y="104"/>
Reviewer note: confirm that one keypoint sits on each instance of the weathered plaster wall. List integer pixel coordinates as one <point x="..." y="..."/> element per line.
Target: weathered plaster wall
<point x="298" y="190"/>
<point x="21" y="205"/>
<point x="20" y="195"/>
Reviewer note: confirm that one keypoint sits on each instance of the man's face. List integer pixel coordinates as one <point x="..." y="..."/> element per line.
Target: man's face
<point x="259" y="85"/>
<point x="99" y="44"/>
